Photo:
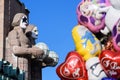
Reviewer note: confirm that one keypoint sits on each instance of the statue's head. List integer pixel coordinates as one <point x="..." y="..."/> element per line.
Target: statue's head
<point x="20" y="19"/>
<point x="32" y="31"/>
<point x="115" y="4"/>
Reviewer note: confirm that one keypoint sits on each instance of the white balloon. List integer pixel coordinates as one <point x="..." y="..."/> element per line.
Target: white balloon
<point x="95" y="71"/>
<point x="113" y="14"/>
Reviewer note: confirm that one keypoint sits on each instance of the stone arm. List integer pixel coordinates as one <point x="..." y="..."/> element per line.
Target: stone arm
<point x="18" y="50"/>
<point x="22" y="51"/>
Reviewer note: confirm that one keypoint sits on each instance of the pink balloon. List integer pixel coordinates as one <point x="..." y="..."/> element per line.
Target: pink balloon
<point x="91" y="14"/>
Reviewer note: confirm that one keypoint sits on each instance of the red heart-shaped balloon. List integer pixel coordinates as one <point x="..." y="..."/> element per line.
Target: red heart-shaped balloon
<point x="110" y="62"/>
<point x="73" y="68"/>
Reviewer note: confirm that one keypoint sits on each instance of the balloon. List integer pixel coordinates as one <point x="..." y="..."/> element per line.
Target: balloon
<point x="73" y="68"/>
<point x="91" y="13"/>
<point x="113" y="14"/>
<point x="110" y="62"/>
<point x="94" y="69"/>
<point x="109" y="45"/>
<point x="112" y="21"/>
<point x="116" y="35"/>
<point x="85" y="42"/>
<point x="106" y="78"/>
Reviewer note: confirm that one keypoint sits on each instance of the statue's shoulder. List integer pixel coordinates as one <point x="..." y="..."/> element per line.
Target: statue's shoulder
<point x="13" y="33"/>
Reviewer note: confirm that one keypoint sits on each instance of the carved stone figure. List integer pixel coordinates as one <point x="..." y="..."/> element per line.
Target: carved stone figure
<point x="32" y="34"/>
<point x="20" y="47"/>
<point x="50" y="58"/>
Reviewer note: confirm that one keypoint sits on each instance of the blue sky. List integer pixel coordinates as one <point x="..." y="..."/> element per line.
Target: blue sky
<point x="55" y="20"/>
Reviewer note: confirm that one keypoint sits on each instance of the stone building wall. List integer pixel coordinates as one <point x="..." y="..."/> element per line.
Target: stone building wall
<point x="11" y="7"/>
<point x="1" y="28"/>
<point x="8" y="8"/>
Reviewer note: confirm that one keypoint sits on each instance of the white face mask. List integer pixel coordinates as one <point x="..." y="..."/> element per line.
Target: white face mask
<point x="35" y="33"/>
<point x="23" y="22"/>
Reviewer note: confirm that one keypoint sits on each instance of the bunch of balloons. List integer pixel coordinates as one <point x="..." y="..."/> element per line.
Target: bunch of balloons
<point x="97" y="43"/>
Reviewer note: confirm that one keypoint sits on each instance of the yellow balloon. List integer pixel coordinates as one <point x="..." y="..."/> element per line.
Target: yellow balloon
<point x="87" y="45"/>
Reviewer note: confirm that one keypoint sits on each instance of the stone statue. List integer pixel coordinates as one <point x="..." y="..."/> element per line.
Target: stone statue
<point x="50" y="58"/>
<point x="18" y="40"/>
<point x="20" y="47"/>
